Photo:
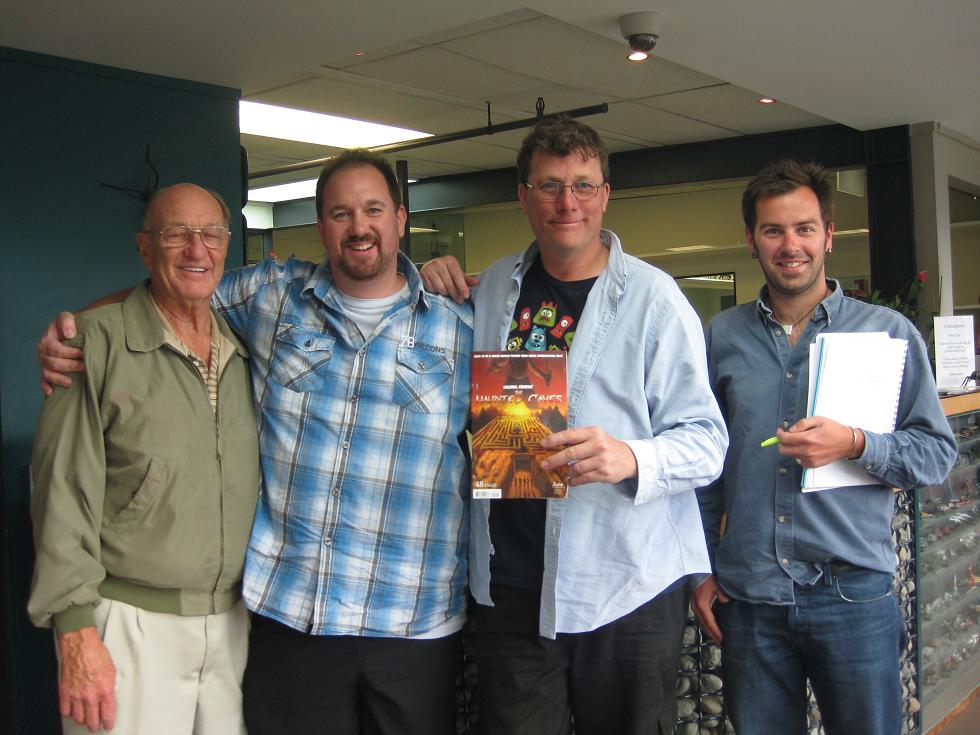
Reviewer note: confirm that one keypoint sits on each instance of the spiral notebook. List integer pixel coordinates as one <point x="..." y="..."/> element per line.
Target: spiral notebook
<point x="856" y="379"/>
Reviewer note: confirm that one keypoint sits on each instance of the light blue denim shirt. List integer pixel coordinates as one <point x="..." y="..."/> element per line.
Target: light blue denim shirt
<point x="777" y="535"/>
<point x="637" y="369"/>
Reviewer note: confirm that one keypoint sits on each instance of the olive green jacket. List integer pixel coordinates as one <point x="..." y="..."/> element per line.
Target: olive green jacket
<point x="140" y="493"/>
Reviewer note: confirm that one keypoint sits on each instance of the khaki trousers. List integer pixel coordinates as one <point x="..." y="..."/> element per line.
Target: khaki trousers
<point x="176" y="675"/>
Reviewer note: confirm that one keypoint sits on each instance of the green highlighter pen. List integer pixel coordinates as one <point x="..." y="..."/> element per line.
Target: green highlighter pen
<point x="770" y="441"/>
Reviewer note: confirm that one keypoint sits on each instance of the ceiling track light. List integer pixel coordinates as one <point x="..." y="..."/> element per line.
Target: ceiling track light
<point x="641" y="31"/>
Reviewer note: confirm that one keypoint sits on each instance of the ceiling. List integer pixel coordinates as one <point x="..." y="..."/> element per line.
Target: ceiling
<point x="433" y="65"/>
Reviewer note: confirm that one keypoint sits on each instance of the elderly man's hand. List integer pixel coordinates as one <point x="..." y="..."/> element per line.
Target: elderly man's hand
<point x="87" y="690"/>
<point x="445" y="277"/>
<point x="58" y="359"/>
<point x="592" y="454"/>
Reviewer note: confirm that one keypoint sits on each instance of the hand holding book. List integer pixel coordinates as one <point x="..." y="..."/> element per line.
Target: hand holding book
<point x="591" y="455"/>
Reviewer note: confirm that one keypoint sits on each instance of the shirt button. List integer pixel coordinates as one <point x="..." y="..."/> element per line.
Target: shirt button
<point x="785" y="562"/>
<point x="789" y="375"/>
<point x="327" y="541"/>
<point x="421" y="367"/>
<point x="782" y="519"/>
<point x="346" y="445"/>
<point x="353" y="397"/>
<point x="308" y="343"/>
<point x="786" y="424"/>
<point x="336" y="492"/>
<point x="781" y="471"/>
<point x="778" y="333"/>
<point x="867" y="467"/>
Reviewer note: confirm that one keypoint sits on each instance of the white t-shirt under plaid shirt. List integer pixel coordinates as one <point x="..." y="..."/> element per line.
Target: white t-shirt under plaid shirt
<point x="362" y="525"/>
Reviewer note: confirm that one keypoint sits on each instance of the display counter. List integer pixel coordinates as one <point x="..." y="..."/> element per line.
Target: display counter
<point x="948" y="552"/>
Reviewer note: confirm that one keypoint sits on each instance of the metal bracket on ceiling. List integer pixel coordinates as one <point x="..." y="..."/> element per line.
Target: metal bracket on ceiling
<point x="407" y="145"/>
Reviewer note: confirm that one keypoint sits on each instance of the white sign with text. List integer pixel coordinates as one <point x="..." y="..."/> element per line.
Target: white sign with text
<point x="954" y="350"/>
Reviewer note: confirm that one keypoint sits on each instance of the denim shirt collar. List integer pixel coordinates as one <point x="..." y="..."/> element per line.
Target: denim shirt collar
<point x="614" y="270"/>
<point x="827" y="309"/>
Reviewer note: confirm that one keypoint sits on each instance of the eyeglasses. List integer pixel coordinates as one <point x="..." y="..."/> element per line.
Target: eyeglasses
<point x="214" y="237"/>
<point x="552" y="190"/>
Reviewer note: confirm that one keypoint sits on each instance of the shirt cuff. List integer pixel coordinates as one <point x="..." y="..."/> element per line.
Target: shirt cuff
<point x="74" y="618"/>
<point x="647" y="466"/>
<point x="874" y="458"/>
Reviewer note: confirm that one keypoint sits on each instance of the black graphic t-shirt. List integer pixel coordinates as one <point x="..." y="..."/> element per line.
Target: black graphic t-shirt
<point x="545" y="317"/>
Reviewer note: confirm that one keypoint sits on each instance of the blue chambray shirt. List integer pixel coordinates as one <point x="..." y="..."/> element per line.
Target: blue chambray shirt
<point x="637" y="369"/>
<point x="777" y="535"/>
<point x="362" y="524"/>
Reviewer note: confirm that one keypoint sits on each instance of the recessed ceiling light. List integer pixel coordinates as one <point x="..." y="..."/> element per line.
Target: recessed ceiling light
<point x="766" y="101"/>
<point x="690" y="248"/>
<point x="286" y="123"/>
<point x="359" y="53"/>
<point x="638" y="56"/>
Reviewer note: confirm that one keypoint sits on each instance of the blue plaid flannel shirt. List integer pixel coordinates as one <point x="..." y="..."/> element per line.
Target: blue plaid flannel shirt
<point x="362" y="525"/>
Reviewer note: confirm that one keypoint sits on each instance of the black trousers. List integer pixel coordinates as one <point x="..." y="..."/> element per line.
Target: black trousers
<point x="619" y="678"/>
<point x="299" y="684"/>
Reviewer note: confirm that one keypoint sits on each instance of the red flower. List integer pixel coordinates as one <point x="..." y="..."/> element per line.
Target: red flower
<point x="922" y="277"/>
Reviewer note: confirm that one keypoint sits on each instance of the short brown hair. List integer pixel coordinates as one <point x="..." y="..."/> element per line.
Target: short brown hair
<point x="784" y="177"/>
<point x="561" y="136"/>
<point x="350" y="159"/>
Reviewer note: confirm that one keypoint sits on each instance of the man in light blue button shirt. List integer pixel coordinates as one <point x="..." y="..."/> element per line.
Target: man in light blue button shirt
<point x="804" y="580"/>
<point x="582" y="601"/>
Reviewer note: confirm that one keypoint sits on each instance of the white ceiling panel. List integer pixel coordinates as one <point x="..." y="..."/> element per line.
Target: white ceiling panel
<point x="447" y="72"/>
<point x="655" y="126"/>
<point x="734" y="108"/>
<point x="564" y="54"/>
<point x="361" y="55"/>
<point x="479" y="26"/>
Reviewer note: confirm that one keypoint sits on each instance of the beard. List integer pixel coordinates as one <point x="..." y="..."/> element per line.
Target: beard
<point x="357" y="267"/>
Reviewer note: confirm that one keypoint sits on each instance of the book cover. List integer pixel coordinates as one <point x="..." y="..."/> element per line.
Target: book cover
<point x="516" y="399"/>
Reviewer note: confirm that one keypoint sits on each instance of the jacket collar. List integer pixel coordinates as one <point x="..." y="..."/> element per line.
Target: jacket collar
<point x="144" y="332"/>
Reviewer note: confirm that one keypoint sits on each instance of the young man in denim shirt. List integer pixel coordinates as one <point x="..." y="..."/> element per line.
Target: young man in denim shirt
<point x="803" y="581"/>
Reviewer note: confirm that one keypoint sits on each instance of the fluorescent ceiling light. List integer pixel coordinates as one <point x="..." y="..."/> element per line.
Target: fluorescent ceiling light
<point x="305" y="189"/>
<point x="708" y="279"/>
<point x="690" y="248"/>
<point x="419" y="230"/>
<point x="858" y="231"/>
<point x="286" y="123"/>
<point x="284" y="192"/>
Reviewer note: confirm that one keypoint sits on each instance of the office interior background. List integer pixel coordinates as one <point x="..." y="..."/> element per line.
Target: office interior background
<point x="101" y="104"/>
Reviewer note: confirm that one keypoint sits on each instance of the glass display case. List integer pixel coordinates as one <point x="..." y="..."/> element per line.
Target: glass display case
<point x="949" y="572"/>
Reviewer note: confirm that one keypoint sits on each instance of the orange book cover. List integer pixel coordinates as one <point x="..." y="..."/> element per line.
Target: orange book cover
<point x="516" y="399"/>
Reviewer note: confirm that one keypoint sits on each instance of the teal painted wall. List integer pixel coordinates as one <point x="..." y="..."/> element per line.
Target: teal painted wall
<point x="67" y="128"/>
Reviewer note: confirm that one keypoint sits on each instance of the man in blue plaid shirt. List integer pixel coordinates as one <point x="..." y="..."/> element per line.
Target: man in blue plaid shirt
<point x="356" y="567"/>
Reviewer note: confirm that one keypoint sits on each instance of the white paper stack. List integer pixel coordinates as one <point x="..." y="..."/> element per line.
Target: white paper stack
<point x="855" y="379"/>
